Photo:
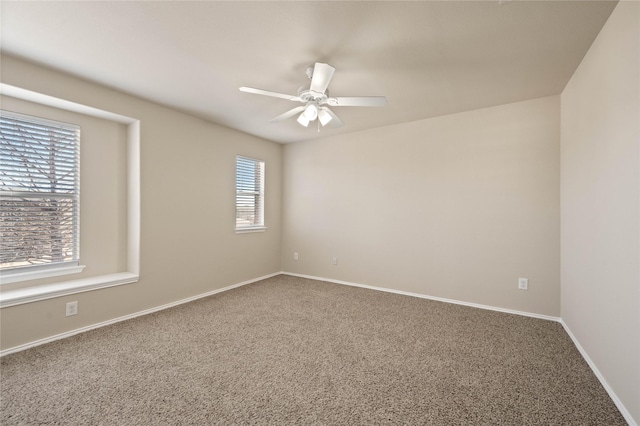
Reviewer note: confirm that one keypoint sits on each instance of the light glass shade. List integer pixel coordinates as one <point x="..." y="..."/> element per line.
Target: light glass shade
<point x="324" y="116"/>
<point x="311" y="111"/>
<point x="302" y="119"/>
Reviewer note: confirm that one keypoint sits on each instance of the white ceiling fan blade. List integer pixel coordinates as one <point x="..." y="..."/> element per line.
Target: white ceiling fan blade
<point x="365" y="101"/>
<point x="335" y="120"/>
<point x="288" y="114"/>
<point x="321" y="77"/>
<point x="268" y="93"/>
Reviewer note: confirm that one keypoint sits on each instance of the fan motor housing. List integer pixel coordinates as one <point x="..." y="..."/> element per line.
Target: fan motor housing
<point x="307" y="95"/>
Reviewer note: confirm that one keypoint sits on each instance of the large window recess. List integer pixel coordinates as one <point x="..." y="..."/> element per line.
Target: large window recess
<point x="39" y="203"/>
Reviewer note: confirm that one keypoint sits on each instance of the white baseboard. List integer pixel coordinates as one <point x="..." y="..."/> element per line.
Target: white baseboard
<point x="623" y="410"/>
<point x="127" y="317"/>
<point x="424" y="296"/>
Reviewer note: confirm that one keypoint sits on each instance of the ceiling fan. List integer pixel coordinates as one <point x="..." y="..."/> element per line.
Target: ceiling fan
<point x="316" y="97"/>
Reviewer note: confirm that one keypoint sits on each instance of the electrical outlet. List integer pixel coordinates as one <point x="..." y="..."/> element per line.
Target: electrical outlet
<point x="72" y="308"/>
<point x="335" y="260"/>
<point x="295" y="255"/>
<point x="523" y="283"/>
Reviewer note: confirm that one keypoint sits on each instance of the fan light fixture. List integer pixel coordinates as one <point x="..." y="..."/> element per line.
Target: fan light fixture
<point x="312" y="112"/>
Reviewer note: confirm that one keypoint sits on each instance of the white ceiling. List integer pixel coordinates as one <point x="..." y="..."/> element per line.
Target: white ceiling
<point x="428" y="58"/>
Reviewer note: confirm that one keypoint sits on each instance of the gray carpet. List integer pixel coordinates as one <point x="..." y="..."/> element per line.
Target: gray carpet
<point x="288" y="350"/>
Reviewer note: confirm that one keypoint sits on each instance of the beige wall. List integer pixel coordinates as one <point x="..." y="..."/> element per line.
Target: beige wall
<point x="458" y="206"/>
<point x="600" y="204"/>
<point x="188" y="242"/>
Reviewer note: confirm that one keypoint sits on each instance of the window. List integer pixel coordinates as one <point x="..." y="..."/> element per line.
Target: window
<point x="39" y="193"/>
<point x="249" y="194"/>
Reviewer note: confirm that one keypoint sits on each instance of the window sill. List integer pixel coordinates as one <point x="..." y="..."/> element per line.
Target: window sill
<point x="49" y="291"/>
<point x="40" y="273"/>
<point x="252" y="229"/>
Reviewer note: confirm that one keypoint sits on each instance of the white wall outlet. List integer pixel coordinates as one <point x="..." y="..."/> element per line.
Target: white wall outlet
<point x="335" y="260"/>
<point x="295" y="255"/>
<point x="72" y="308"/>
<point x="523" y="283"/>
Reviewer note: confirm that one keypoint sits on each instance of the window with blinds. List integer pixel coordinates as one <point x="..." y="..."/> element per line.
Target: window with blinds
<point x="39" y="193"/>
<point x="249" y="194"/>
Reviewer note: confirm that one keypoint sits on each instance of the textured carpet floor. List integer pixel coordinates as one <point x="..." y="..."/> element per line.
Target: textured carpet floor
<point x="288" y="350"/>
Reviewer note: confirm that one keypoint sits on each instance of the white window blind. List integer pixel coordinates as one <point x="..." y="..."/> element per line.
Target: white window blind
<point x="39" y="193"/>
<point x="249" y="193"/>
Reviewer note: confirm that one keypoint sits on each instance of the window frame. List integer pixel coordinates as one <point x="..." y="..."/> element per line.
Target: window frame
<point x="258" y="192"/>
<point x="43" y="268"/>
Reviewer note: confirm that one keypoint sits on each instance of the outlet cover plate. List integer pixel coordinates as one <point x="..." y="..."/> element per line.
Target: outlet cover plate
<point x="523" y="283"/>
<point x="72" y="308"/>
